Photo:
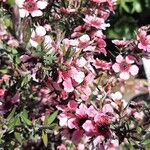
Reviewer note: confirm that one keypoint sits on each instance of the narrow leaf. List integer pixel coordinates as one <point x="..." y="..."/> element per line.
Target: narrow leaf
<point x="45" y="138"/>
<point x="11" y="114"/>
<point x="18" y="137"/>
<point x="51" y="118"/>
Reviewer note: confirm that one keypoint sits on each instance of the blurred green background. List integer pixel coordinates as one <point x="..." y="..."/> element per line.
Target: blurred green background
<point x="129" y="16"/>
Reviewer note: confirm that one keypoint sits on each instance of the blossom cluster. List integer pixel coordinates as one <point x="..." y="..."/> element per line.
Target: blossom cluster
<point x="60" y="60"/>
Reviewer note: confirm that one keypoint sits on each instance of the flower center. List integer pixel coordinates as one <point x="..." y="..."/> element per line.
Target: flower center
<point x="30" y="5"/>
<point x="124" y="66"/>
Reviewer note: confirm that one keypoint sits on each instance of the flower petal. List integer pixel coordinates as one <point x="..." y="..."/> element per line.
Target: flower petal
<point x="42" y="4"/>
<point x="68" y="85"/>
<point x="40" y="31"/>
<point x="33" y="43"/>
<point x="116" y="67"/>
<point x="36" y="13"/>
<point x="134" y="70"/>
<point x="19" y="3"/>
<point x="119" y="59"/>
<point x="129" y="60"/>
<point x="23" y="13"/>
<point x="124" y="75"/>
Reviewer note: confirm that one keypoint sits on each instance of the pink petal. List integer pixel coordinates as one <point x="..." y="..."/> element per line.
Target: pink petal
<point x="84" y="38"/>
<point x="42" y="4"/>
<point x="107" y="108"/>
<point x="36" y="13"/>
<point x="116" y="67"/>
<point x="124" y="75"/>
<point x="72" y="105"/>
<point x="91" y="111"/>
<point x="62" y="120"/>
<point x="134" y="70"/>
<point x="23" y="13"/>
<point x="119" y="59"/>
<point x="78" y="76"/>
<point x="19" y="3"/>
<point x="76" y="136"/>
<point x="129" y="60"/>
<point x="88" y="126"/>
<point x="82" y="110"/>
<point x="40" y="31"/>
<point x="71" y="123"/>
<point x="68" y="85"/>
<point x="33" y="43"/>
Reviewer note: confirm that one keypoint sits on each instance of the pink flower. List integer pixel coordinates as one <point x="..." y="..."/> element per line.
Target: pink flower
<point x="144" y="40"/>
<point x="139" y="115"/>
<point x="32" y="7"/>
<point x="13" y="43"/>
<point x="113" y="145"/>
<point x="76" y="136"/>
<point x="61" y="147"/>
<point x="96" y="22"/>
<point x="84" y="41"/>
<point x="72" y="105"/>
<point x="91" y="111"/>
<point x="120" y="43"/>
<point x="102" y="119"/>
<point x="116" y="96"/>
<point x="37" y="36"/>
<point x="107" y="108"/>
<point x="2" y="92"/>
<point x="89" y="127"/>
<point x="82" y="111"/>
<point x="100" y="64"/>
<point x="78" y="76"/>
<point x="125" y="67"/>
<point x="68" y="87"/>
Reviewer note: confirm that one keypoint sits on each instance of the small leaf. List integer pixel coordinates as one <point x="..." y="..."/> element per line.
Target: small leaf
<point x="51" y="118"/>
<point x="45" y="138"/>
<point x="18" y="137"/>
<point x="147" y="142"/>
<point x="11" y="114"/>
<point x="17" y="60"/>
<point x="25" y="119"/>
<point x="24" y="81"/>
<point x="11" y="2"/>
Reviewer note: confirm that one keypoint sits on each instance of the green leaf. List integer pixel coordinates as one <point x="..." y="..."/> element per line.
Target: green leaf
<point x="4" y="71"/>
<point x="25" y="119"/>
<point x="7" y="22"/>
<point x="45" y="138"/>
<point x="24" y="81"/>
<point x="51" y="118"/>
<point x="137" y="6"/>
<point x="11" y="2"/>
<point x="17" y="60"/>
<point x="146" y="142"/>
<point x="11" y="114"/>
<point x="18" y="137"/>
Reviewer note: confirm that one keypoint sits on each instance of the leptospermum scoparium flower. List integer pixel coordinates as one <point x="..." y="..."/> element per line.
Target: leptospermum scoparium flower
<point x="125" y="67"/>
<point x="144" y="40"/>
<point x="33" y="7"/>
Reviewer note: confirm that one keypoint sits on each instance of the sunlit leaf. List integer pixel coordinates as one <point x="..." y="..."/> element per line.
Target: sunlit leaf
<point x="45" y="138"/>
<point x="51" y="118"/>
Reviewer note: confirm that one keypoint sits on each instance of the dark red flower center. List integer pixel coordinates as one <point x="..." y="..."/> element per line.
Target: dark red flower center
<point x="124" y="66"/>
<point x="30" y="5"/>
<point x="104" y="130"/>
